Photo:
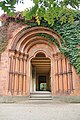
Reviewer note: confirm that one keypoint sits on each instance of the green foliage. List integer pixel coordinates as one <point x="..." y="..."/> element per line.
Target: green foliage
<point x="71" y="35"/>
<point x="3" y="38"/>
<point x="50" y="38"/>
<point x="51" y="10"/>
<point x="8" y="6"/>
<point x="71" y="47"/>
<point x="28" y="14"/>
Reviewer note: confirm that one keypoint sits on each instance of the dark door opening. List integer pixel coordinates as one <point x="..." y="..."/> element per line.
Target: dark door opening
<point x="42" y="84"/>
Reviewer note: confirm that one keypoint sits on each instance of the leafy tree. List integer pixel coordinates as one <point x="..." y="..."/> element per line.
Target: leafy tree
<point x="8" y="6"/>
<point x="47" y="9"/>
<point x="52" y="10"/>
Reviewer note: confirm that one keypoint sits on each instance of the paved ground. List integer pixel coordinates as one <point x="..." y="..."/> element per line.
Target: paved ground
<point x="39" y="111"/>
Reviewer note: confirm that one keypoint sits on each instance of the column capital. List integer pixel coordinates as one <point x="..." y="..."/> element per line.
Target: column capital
<point x="58" y="56"/>
<point x="12" y="53"/>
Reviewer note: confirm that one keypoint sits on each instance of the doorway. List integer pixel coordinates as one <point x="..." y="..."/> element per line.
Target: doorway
<point x="41" y="73"/>
<point x="42" y="84"/>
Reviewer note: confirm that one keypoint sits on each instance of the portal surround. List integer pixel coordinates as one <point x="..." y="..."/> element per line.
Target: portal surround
<point x="26" y="45"/>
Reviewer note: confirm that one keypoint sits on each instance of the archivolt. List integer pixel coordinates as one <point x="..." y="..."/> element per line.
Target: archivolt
<point x="35" y="40"/>
<point x="28" y="35"/>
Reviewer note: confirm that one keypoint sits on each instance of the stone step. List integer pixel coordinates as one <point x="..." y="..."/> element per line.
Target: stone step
<point x="40" y="95"/>
<point x="40" y="98"/>
<point x="41" y="92"/>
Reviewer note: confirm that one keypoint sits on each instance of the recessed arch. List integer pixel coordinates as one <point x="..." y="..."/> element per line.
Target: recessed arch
<point x="36" y="51"/>
<point x="40" y="54"/>
<point x="28" y="33"/>
<point x="33" y="40"/>
<point x="29" y="44"/>
<point x="34" y="43"/>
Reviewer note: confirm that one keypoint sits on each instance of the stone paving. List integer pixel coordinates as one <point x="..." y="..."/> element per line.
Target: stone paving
<point x="39" y="110"/>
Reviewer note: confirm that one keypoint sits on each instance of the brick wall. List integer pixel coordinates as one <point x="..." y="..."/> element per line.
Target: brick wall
<point x="6" y="34"/>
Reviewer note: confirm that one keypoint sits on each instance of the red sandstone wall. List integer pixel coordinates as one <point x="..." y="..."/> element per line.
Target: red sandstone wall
<point x="7" y="32"/>
<point x="11" y="30"/>
<point x="3" y="72"/>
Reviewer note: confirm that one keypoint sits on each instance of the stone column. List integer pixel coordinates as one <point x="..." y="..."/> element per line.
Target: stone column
<point x="55" y="74"/>
<point x="9" y="83"/>
<point x="21" y="74"/>
<point x="64" y="75"/>
<point x="28" y="76"/>
<point x="25" y="74"/>
<point x="34" y="80"/>
<point x="16" y="78"/>
<point x="52" y="76"/>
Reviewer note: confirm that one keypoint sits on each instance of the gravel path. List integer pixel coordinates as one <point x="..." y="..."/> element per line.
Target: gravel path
<point x="39" y="111"/>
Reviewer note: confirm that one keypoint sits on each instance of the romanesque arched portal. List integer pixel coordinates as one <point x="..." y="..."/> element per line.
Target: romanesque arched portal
<point x="32" y="58"/>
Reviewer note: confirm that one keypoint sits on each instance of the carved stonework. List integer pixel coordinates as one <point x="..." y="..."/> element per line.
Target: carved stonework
<point x="28" y="51"/>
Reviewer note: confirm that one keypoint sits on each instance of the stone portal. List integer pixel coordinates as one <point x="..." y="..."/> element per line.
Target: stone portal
<point x="33" y="63"/>
<point x="41" y="73"/>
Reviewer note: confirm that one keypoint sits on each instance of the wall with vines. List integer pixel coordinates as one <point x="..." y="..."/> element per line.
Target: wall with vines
<point x="71" y="35"/>
<point x="70" y="32"/>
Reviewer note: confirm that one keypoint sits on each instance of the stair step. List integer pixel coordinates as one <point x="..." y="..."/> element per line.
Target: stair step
<point x="40" y="95"/>
<point x="40" y="98"/>
<point x="40" y="92"/>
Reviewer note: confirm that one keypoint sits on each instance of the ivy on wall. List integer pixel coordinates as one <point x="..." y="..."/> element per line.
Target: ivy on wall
<point x="71" y="35"/>
<point x="3" y="38"/>
<point x="71" y="47"/>
<point x="50" y="38"/>
<point x="70" y="32"/>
